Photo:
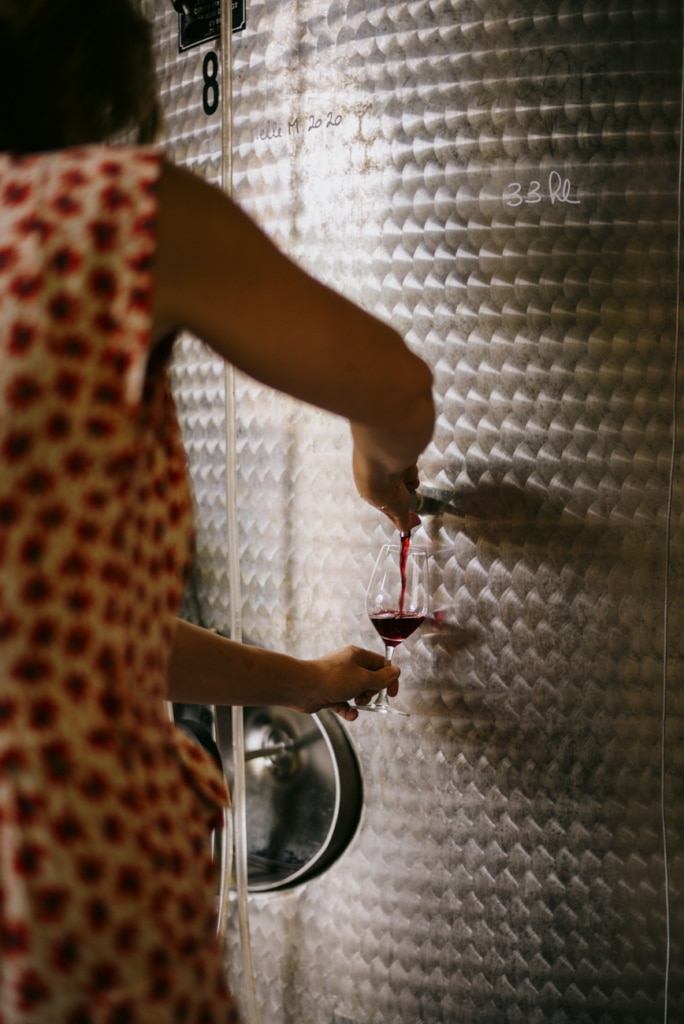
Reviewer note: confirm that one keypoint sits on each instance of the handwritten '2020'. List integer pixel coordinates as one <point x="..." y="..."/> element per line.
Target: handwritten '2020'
<point x="556" y="190"/>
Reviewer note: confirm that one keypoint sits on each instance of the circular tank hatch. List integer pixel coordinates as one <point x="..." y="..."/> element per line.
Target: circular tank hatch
<point x="304" y="795"/>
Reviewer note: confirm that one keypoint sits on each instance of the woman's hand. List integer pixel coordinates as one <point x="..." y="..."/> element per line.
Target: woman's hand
<point x="389" y="493"/>
<point x="207" y="668"/>
<point x="348" y="674"/>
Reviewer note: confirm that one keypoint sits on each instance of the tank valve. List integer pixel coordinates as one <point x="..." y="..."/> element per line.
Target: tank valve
<point x="424" y="505"/>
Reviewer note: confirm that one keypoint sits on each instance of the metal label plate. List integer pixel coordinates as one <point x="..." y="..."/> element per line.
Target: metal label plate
<point x="201" y="22"/>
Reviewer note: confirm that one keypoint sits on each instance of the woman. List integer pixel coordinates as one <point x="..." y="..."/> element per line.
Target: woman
<point x="105" y="253"/>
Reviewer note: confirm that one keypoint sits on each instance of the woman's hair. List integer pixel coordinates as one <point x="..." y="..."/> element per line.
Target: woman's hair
<point x="74" y="72"/>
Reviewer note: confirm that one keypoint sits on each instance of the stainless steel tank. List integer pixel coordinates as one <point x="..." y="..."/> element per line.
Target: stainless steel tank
<point x="502" y="180"/>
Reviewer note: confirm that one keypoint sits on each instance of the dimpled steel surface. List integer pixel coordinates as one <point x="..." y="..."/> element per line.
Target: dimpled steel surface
<point x="500" y="180"/>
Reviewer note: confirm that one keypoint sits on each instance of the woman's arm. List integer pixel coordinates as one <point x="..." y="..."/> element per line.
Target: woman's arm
<point x="206" y="668"/>
<point x="219" y="276"/>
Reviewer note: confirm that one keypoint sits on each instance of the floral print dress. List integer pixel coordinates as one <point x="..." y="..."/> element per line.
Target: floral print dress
<point x="107" y="889"/>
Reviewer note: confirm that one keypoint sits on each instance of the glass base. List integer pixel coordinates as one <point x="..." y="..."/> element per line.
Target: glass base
<point x="382" y="709"/>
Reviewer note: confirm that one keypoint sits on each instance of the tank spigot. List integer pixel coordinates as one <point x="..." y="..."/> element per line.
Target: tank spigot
<point x="424" y="505"/>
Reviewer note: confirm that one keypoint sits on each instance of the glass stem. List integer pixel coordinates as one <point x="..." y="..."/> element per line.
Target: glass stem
<point x="382" y="700"/>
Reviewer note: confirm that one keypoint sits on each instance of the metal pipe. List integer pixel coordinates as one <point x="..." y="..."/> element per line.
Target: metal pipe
<point x="239" y="801"/>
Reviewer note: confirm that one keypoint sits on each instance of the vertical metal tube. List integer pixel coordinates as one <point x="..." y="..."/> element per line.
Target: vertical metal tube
<point x="239" y="830"/>
<point x="668" y="552"/>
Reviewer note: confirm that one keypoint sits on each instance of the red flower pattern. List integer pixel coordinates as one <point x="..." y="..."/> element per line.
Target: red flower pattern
<point x="8" y="257"/>
<point x="13" y="938"/>
<point x="15" y="193"/>
<point x="21" y="338"/>
<point x="34" y="225"/>
<point x="26" y="286"/>
<point x="65" y="260"/>
<point x="96" y="542"/>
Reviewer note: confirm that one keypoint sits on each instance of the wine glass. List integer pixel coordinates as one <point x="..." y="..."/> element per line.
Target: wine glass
<point x="396" y="602"/>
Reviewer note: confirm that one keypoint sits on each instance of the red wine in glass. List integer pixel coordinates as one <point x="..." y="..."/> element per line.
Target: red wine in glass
<point x="396" y="603"/>
<point x="394" y="627"/>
